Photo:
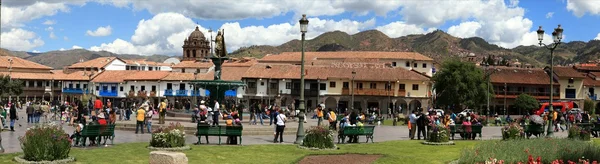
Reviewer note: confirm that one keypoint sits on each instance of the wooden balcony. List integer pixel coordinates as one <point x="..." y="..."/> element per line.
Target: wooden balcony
<point x="131" y="94"/>
<point x="401" y="93"/>
<point x="515" y="94"/>
<point x="142" y="94"/>
<point x="250" y="90"/>
<point x="273" y="91"/>
<point x="152" y="93"/>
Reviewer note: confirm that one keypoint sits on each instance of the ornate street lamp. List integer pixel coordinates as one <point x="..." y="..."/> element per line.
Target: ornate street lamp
<point x="557" y="37"/>
<point x="300" y="133"/>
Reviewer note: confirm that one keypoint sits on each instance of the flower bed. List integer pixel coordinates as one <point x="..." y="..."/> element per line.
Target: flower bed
<point x="546" y="150"/>
<point x="318" y="137"/>
<point x="513" y="131"/>
<point x="185" y="147"/>
<point x="45" y="143"/>
<point x="20" y="159"/>
<point x="579" y="133"/>
<point x="172" y="136"/>
<point x="438" y="135"/>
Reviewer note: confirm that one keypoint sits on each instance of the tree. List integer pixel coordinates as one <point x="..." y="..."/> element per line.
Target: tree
<point x="526" y="102"/>
<point x="490" y="60"/>
<point x="10" y="87"/>
<point x="589" y="106"/>
<point x="460" y="84"/>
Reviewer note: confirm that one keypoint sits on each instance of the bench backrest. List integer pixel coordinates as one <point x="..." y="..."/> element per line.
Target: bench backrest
<point x="476" y="128"/>
<point x="220" y="130"/>
<point x="97" y="130"/>
<point x="359" y="130"/>
<point x="232" y="130"/>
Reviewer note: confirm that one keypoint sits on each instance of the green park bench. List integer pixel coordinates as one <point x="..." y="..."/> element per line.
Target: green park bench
<point x="460" y="129"/>
<point x="533" y="129"/>
<point x="96" y="132"/>
<point x="356" y="131"/>
<point x="228" y="131"/>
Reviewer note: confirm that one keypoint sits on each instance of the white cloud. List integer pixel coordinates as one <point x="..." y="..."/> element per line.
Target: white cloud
<point x="597" y="37"/>
<point x="61" y="49"/>
<point x="65" y="38"/>
<point x="52" y="36"/>
<point x="49" y="22"/>
<point x="464" y="29"/>
<point x="35" y="51"/>
<point x="15" y="16"/>
<point x="398" y="29"/>
<point x="50" y="28"/>
<point x="20" y="40"/>
<point x="101" y="31"/>
<point x="165" y="33"/>
<point x="531" y="38"/>
<point x="76" y="47"/>
<point x="581" y="7"/>
<point x="549" y="15"/>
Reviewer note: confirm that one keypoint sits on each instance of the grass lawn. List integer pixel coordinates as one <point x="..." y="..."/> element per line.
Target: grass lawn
<point x="393" y="152"/>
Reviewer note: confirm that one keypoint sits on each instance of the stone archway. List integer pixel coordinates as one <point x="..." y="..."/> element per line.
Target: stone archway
<point x="414" y="105"/>
<point x="331" y="103"/>
<point x="402" y="106"/>
<point x="575" y="105"/>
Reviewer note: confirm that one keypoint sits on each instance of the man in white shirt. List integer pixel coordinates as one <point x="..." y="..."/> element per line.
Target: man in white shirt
<point x="216" y="114"/>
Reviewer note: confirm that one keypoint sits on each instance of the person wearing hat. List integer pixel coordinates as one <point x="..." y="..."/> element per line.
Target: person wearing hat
<point x="140" y="117"/>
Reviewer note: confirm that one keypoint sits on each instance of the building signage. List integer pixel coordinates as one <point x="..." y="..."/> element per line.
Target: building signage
<point x="359" y="65"/>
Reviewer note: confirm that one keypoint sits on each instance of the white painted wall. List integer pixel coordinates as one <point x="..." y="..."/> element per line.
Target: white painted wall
<point x="115" y="65"/>
<point x="261" y="87"/>
<point x="165" y="68"/>
<point x="282" y="86"/>
<point x="428" y="70"/>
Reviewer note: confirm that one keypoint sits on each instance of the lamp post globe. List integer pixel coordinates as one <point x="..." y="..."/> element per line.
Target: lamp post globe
<point x="300" y="133"/>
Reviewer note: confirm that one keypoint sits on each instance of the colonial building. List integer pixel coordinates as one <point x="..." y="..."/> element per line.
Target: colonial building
<point x="37" y="78"/>
<point x="398" y="80"/>
<point x="509" y="82"/>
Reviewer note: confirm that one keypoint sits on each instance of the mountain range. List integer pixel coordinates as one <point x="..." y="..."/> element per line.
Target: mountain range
<point x="438" y="45"/>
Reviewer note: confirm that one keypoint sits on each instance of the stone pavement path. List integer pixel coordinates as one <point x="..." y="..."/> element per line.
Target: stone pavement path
<point x="382" y="133"/>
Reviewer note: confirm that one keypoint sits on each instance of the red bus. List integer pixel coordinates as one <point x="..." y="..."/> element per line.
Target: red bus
<point x="563" y="106"/>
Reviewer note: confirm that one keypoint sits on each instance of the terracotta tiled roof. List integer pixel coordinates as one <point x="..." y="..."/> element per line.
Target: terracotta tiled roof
<point x="567" y="72"/>
<point x="591" y="81"/>
<point x="193" y="64"/>
<point x="21" y="63"/>
<point x="587" y="68"/>
<point x="178" y="76"/>
<point x="595" y="74"/>
<point x="240" y="63"/>
<point x="129" y="75"/>
<point x="74" y="76"/>
<point x="283" y="71"/>
<point x="296" y="56"/>
<point x="29" y="75"/>
<point x="520" y="76"/>
<point x="227" y="73"/>
<point x="94" y="63"/>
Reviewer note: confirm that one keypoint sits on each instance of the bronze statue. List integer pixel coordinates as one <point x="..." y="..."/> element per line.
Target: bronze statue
<point x="220" y="50"/>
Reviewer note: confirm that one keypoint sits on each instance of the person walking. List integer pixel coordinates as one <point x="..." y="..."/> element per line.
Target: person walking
<point x="29" y="111"/>
<point x="148" y="122"/>
<point x="162" y="112"/>
<point x="319" y="113"/>
<point x="281" y="119"/>
<point x="140" y="116"/>
<point x="13" y="116"/>
<point x="332" y="120"/>
<point x="413" y="124"/>
<point x="252" y="120"/>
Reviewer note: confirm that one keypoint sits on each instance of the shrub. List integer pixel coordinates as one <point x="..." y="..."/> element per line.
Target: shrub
<point x="45" y="142"/>
<point x="579" y="133"/>
<point x="438" y="133"/>
<point x="513" y="131"/>
<point x="171" y="136"/>
<point x="318" y="137"/>
<point x="514" y="151"/>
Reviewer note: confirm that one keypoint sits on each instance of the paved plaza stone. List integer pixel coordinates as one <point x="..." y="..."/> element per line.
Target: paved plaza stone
<point x="382" y="133"/>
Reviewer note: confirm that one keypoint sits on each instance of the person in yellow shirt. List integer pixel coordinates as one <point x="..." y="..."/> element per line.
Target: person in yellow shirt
<point x="141" y="113"/>
<point x="332" y="120"/>
<point x="319" y="115"/>
<point x="162" y="111"/>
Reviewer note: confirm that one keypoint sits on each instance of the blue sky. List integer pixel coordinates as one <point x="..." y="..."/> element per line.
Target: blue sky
<point x="159" y="27"/>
